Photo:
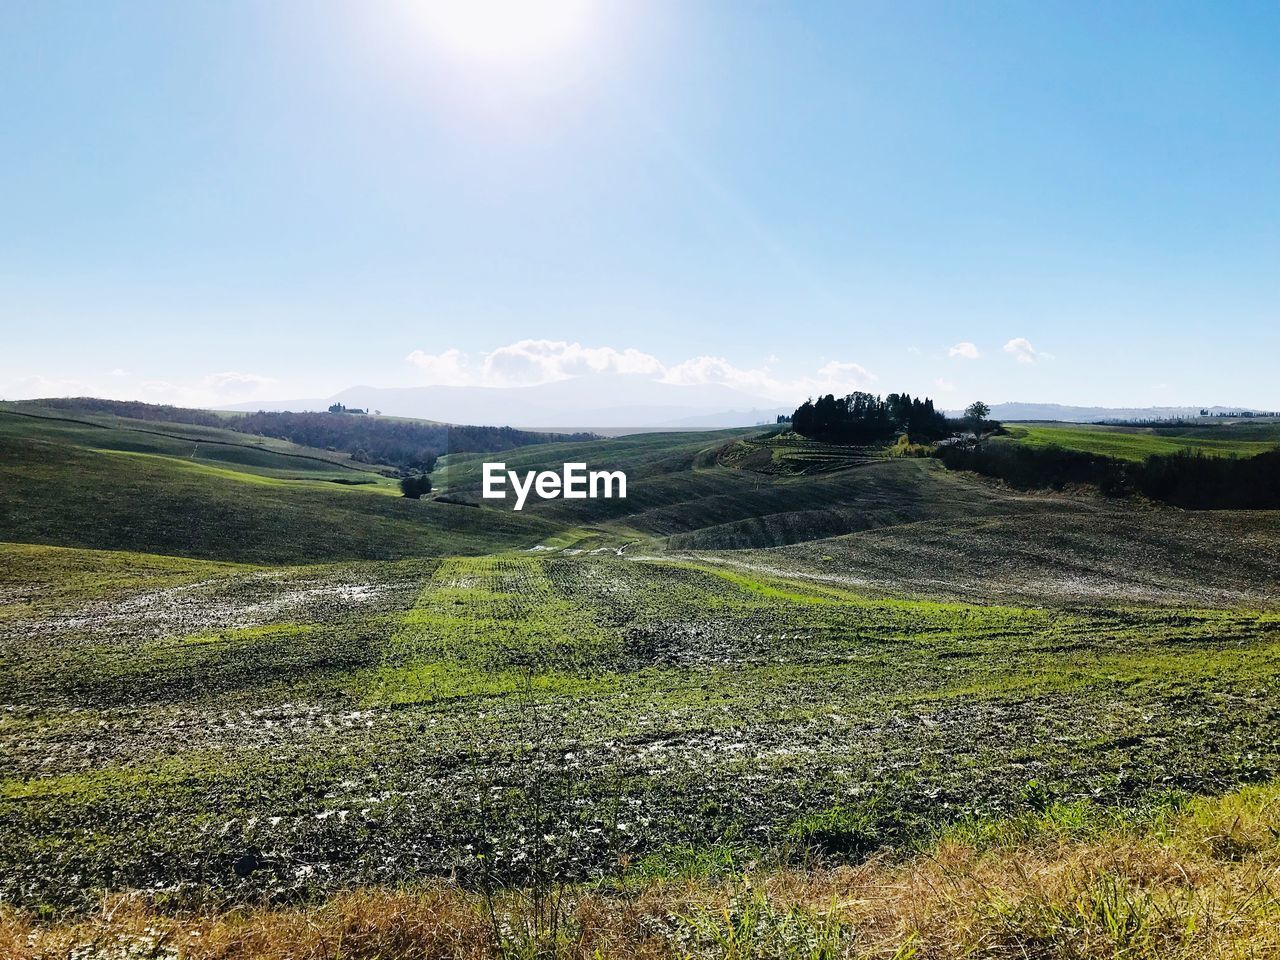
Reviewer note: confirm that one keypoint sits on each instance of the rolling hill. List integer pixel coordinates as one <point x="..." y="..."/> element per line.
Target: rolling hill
<point x="237" y="671"/>
<point x="737" y="489"/>
<point x="1240" y="439"/>
<point x="102" y="481"/>
<point x="192" y="491"/>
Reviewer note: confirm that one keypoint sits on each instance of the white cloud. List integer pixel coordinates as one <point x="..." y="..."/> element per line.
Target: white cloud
<point x="700" y="370"/>
<point x="707" y="370"/>
<point x="834" y="377"/>
<point x="946" y="386"/>
<point x="215" y="389"/>
<point x="36" y="386"/>
<point x="159" y="391"/>
<point x="531" y="362"/>
<point x="1022" y="349"/>
<point x="837" y="377"/>
<point x="238" y="384"/>
<point x="447" y="369"/>
<point x="965" y="350"/>
<point x="541" y="361"/>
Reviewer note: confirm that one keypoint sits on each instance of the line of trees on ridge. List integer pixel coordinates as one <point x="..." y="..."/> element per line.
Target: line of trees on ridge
<point x="1189" y="479"/>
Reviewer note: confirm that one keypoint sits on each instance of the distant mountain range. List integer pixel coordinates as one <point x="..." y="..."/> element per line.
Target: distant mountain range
<point x="1058" y="411"/>
<point x="635" y="402"/>
<point x="605" y="401"/>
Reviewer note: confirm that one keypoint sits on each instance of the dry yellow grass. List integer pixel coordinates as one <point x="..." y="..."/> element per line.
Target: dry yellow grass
<point x="1200" y="883"/>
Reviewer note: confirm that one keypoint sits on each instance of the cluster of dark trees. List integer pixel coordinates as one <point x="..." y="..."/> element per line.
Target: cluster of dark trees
<point x="415" y="485"/>
<point x="137" y="410"/>
<point x="401" y="443"/>
<point x="866" y="418"/>
<point x="408" y="444"/>
<point x="1213" y="483"/>
<point x="1187" y="479"/>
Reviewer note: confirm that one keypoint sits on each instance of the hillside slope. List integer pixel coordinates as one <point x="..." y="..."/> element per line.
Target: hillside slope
<point x="732" y="490"/>
<point x="1138" y="443"/>
<point x="201" y="492"/>
<point x="198" y="491"/>
<point x="1082" y="553"/>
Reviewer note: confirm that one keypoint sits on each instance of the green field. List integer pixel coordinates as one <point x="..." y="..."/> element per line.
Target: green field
<point x="228" y="679"/>
<point x="1138" y="443"/>
<point x="735" y="489"/>
<point x="188" y="715"/>
<point x="220" y="495"/>
<point x="201" y="492"/>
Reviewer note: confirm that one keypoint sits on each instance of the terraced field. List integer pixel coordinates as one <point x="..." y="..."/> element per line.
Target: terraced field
<point x="733" y="490"/>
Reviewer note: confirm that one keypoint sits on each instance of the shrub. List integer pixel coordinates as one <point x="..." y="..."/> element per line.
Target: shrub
<point x="1185" y="479"/>
<point x="415" y="486"/>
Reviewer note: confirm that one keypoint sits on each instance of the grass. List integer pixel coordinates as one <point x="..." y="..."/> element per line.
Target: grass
<point x="734" y="490"/>
<point x="184" y="441"/>
<point x="218" y="495"/>
<point x="44" y="580"/>
<point x="63" y="488"/>
<point x="375" y="723"/>
<point x="1056" y="550"/>
<point x="1194" y="880"/>
<point x="1138" y="443"/>
<point x="222" y="496"/>
<point x="368" y="483"/>
<point x="282" y="717"/>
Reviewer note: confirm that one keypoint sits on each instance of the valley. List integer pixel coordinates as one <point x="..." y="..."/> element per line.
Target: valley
<point x="238" y="672"/>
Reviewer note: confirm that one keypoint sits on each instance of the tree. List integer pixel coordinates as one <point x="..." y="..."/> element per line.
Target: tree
<point x="863" y="418"/>
<point x="415" y="486"/>
<point x="976" y="413"/>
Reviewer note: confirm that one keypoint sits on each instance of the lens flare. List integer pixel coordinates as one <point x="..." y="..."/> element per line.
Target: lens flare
<point x="505" y="30"/>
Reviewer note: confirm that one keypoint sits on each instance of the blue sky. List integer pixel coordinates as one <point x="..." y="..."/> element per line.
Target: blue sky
<point x="211" y="202"/>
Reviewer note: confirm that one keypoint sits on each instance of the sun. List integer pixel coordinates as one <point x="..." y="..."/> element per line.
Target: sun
<point x="505" y="30"/>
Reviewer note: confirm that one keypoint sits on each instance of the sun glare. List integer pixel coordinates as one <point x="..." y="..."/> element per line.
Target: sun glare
<point x="505" y="30"/>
